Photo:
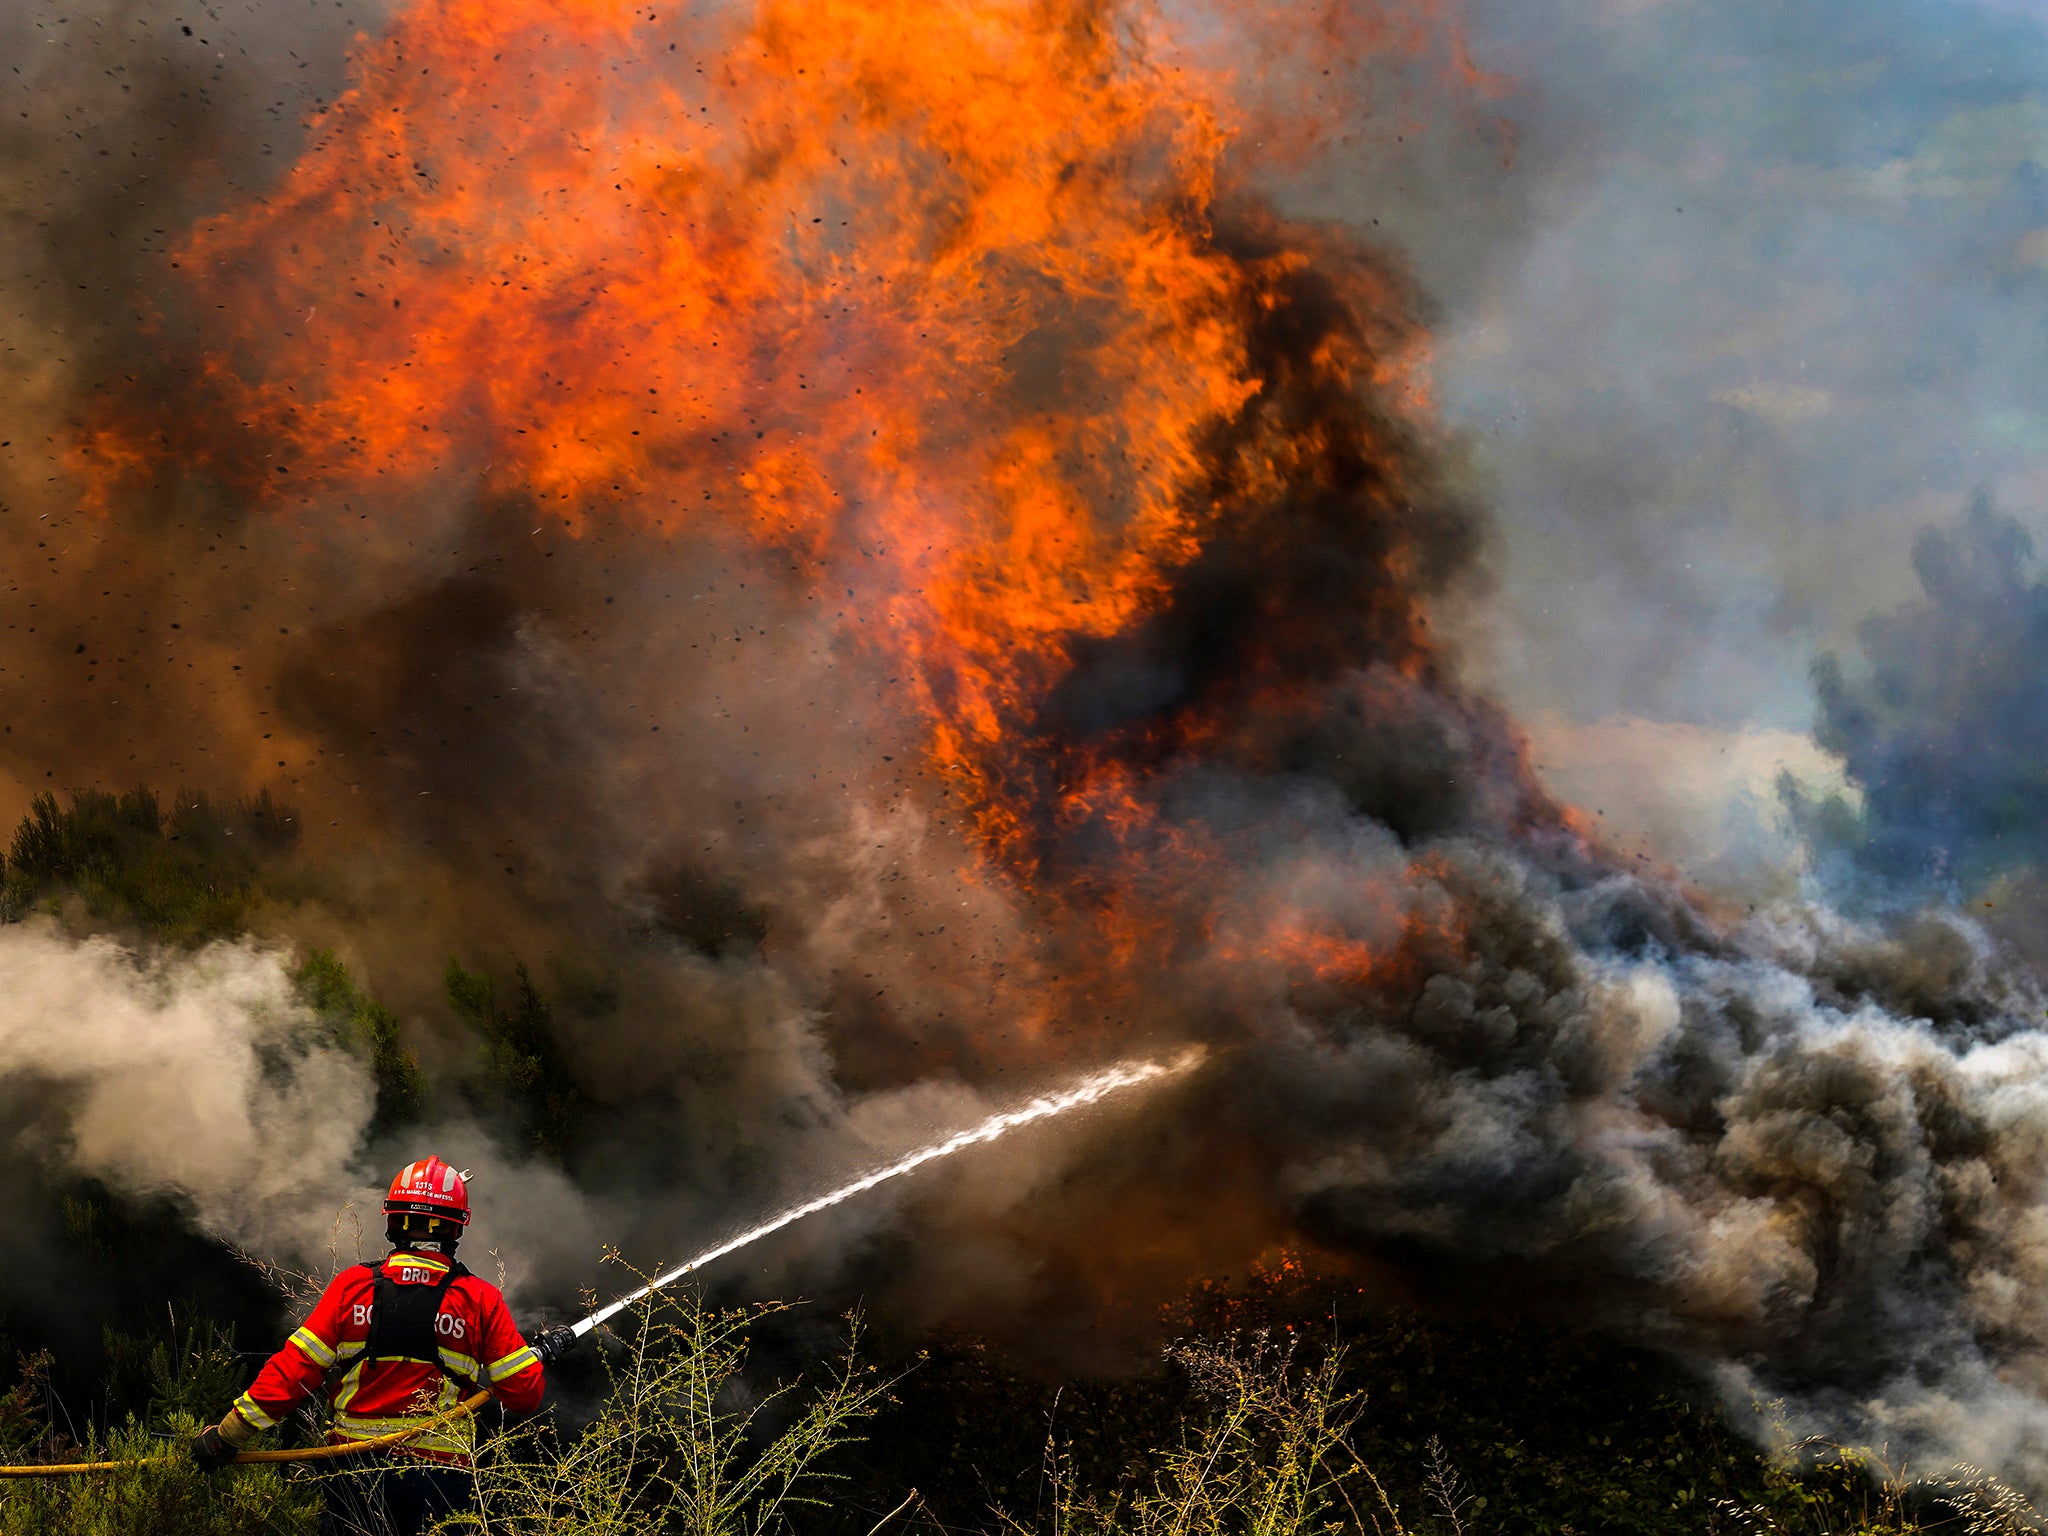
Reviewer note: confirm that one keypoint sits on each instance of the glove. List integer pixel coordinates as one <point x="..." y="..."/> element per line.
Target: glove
<point x="212" y="1451"/>
<point x="554" y="1344"/>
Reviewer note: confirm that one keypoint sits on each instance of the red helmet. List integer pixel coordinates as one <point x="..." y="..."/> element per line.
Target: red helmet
<point x="429" y="1187"/>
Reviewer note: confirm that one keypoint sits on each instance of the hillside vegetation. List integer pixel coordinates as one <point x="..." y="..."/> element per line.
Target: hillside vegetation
<point x="1288" y="1407"/>
<point x="1265" y="1433"/>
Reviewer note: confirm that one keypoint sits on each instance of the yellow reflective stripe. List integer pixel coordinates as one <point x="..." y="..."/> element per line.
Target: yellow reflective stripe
<point x="313" y="1347"/>
<point x="444" y="1437"/>
<point x="428" y="1442"/>
<point x="245" y="1405"/>
<point x="514" y="1363"/>
<point x="460" y="1364"/>
<point x="416" y="1261"/>
<point x="372" y="1425"/>
<point x="351" y="1383"/>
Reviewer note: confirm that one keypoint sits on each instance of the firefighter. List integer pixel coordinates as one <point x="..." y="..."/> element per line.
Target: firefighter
<point x="395" y="1342"/>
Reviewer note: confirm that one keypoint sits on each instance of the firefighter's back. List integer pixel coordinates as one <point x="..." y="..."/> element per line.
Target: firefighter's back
<point x="395" y="1345"/>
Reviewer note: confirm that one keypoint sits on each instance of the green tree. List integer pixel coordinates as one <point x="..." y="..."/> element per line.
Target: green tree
<point x="365" y="1026"/>
<point x="187" y="877"/>
<point x="521" y="1073"/>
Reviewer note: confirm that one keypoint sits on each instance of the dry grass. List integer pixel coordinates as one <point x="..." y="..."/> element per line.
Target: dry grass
<point x="683" y="1443"/>
<point x="1273" y="1457"/>
<point x="687" y="1441"/>
<point x="1861" y="1492"/>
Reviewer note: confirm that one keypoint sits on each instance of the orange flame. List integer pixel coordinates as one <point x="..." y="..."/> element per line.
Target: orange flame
<point x="932" y="286"/>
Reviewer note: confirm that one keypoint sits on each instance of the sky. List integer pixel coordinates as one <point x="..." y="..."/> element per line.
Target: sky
<point x="1745" y="295"/>
<point x="1733" y="299"/>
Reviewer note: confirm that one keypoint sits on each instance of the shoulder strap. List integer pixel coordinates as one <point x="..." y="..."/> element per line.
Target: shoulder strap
<point x="402" y="1317"/>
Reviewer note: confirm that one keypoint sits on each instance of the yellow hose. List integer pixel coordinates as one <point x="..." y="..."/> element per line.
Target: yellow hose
<point x="461" y="1410"/>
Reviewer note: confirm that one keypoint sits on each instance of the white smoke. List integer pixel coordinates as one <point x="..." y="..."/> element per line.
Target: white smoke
<point x="206" y="1079"/>
<point x="201" y="1077"/>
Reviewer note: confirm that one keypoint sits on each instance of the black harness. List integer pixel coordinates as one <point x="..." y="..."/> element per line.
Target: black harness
<point x="402" y="1318"/>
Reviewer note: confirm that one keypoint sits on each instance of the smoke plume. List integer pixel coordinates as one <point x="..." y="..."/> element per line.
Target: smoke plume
<point x="204" y="1077"/>
<point x="1940" y="725"/>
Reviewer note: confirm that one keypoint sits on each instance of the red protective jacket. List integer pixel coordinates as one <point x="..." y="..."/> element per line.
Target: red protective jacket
<point x="478" y="1344"/>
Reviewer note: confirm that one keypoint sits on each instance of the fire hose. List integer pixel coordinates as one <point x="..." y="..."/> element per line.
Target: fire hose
<point x="459" y="1412"/>
<point x="557" y="1341"/>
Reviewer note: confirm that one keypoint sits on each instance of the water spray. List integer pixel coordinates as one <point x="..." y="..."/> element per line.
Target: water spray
<point x="553" y="1344"/>
<point x="1090" y="1090"/>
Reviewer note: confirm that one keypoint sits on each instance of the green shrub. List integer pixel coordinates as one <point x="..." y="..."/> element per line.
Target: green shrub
<point x="191" y="1378"/>
<point x="365" y="1026"/>
<point x="188" y="877"/>
<point x="1263" y="1439"/>
<point x="135" y="1271"/>
<point x="193" y="1372"/>
<point x="522" y="1075"/>
<point x="1268" y="1449"/>
<point x="1271" y="1455"/>
<point x="1818" y="1487"/>
<point x="165" y="1496"/>
<point x="21" y="1418"/>
<point x="682" y="1446"/>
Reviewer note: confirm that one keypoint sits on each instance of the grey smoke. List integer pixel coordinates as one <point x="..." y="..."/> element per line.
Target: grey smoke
<point x="1937" y="718"/>
<point x="1801" y="1151"/>
<point x="201" y="1077"/>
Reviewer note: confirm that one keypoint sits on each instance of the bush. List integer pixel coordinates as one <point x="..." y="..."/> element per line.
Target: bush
<point x="188" y="877"/>
<point x="1262" y="1439"/>
<point x="522" y="1075"/>
<point x="682" y="1444"/>
<point x="1271" y="1457"/>
<point x="165" y="1496"/>
<point x="365" y="1026"/>
<point x="21" y="1420"/>
<point x="1819" y="1487"/>
<point x="1271" y="1452"/>
<point x="192" y="1378"/>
